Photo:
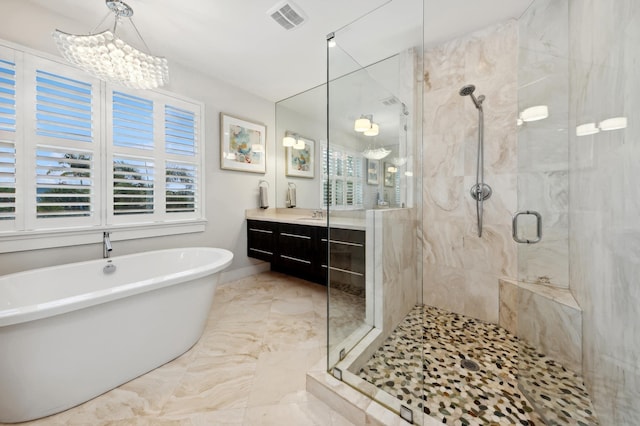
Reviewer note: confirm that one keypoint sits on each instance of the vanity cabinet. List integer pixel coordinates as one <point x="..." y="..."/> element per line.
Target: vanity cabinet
<point x="302" y="251"/>
<point x="261" y="239"/>
<point x="347" y="259"/>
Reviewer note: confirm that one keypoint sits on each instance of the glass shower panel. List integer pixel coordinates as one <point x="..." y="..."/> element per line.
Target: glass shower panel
<point x="370" y="195"/>
<point x="547" y="320"/>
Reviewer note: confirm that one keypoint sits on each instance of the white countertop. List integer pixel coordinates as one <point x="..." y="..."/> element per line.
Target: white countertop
<point x="303" y="217"/>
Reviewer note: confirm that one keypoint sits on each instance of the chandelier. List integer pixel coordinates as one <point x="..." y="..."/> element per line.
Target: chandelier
<point x="109" y="58"/>
<point x="375" y="153"/>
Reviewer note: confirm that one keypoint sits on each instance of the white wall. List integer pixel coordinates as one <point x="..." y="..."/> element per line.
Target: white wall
<point x="228" y="194"/>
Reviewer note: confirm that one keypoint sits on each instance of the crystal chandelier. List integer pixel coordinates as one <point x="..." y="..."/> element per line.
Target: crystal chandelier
<point x="375" y="153"/>
<point x="110" y="59"/>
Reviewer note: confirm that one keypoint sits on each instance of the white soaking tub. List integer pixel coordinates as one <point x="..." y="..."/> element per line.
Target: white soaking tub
<point x="72" y="332"/>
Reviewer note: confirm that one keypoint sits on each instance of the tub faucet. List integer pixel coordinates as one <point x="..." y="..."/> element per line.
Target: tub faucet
<point x="106" y="245"/>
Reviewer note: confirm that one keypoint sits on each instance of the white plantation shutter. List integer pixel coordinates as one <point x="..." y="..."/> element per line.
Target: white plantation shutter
<point x="181" y="186"/>
<point x="63" y="107"/>
<point x="132" y="122"/>
<point x="7" y="141"/>
<point x="343" y="181"/>
<point x="59" y="171"/>
<point x="62" y="172"/>
<point x="181" y="168"/>
<point x="180" y="131"/>
<point x="155" y="158"/>
<point x="133" y="165"/>
<point x="133" y="185"/>
<point x="64" y="183"/>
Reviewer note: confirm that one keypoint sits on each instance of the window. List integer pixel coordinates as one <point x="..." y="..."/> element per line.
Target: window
<point x="76" y="154"/>
<point x="343" y="178"/>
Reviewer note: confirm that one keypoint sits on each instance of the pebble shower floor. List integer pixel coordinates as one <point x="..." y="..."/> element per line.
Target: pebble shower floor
<point x="433" y="344"/>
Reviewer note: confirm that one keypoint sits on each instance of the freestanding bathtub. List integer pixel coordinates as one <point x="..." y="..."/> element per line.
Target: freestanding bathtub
<point x="72" y="332"/>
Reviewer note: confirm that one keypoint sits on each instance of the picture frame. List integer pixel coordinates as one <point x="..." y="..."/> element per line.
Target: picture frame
<point x="242" y="144"/>
<point x="301" y="162"/>
<point x="373" y="172"/>
<point x="389" y="176"/>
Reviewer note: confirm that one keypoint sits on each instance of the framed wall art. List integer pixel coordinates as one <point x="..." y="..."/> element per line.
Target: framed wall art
<point x="390" y="174"/>
<point x="300" y="161"/>
<point x="373" y="171"/>
<point x="242" y="144"/>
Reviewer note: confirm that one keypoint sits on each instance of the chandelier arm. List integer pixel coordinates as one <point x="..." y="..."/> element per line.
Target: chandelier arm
<point x="93" y="31"/>
<point x="140" y="37"/>
<point x="115" y="24"/>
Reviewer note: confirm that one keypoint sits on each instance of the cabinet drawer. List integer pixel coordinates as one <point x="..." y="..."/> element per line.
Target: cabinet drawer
<point x="295" y="246"/>
<point x="261" y="239"/>
<point x="346" y="250"/>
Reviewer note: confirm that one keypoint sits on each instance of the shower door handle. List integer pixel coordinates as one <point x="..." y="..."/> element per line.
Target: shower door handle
<point x="514" y="225"/>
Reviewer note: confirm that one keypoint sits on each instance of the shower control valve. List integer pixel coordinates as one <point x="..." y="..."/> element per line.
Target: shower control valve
<point x="481" y="192"/>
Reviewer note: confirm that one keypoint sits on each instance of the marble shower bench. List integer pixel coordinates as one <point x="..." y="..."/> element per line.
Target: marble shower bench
<point x="546" y="317"/>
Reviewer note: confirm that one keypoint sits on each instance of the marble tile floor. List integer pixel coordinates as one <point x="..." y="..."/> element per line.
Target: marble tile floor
<point x="484" y="394"/>
<point x="249" y="368"/>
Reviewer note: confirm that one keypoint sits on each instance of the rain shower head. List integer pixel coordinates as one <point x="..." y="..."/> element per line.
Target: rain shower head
<point x="468" y="91"/>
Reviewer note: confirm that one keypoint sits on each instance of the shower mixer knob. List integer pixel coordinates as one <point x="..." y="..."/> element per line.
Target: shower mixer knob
<point x="481" y="192"/>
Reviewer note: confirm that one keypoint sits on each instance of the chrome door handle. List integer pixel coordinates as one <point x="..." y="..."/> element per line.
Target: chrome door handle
<point x="538" y="227"/>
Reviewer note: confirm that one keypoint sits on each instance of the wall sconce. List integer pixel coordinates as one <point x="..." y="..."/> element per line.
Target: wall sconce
<point x="614" y="123"/>
<point x="293" y="140"/>
<point x="373" y="131"/>
<point x="289" y="139"/>
<point x="363" y="123"/>
<point x="534" y="113"/>
<point x="587" y="129"/>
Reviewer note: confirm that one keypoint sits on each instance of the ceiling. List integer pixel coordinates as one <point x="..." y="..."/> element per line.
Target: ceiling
<point x="237" y="42"/>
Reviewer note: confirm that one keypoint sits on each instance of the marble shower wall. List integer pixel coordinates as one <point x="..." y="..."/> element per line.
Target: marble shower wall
<point x="605" y="202"/>
<point x="461" y="270"/>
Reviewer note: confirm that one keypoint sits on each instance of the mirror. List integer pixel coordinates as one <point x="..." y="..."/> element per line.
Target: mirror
<point x="355" y="181"/>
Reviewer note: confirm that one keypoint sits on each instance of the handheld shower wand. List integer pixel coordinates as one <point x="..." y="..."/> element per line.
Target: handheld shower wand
<point x="480" y="191"/>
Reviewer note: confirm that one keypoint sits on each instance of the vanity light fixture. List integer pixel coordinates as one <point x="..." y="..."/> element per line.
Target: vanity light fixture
<point x="289" y="140"/>
<point x="299" y="144"/>
<point x="374" y="130"/>
<point x="392" y="169"/>
<point x="534" y="113"/>
<point x="587" y="129"/>
<point x="363" y="123"/>
<point x="109" y="58"/>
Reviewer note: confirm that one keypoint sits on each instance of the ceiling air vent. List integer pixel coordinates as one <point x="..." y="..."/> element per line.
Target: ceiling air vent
<point x="287" y="14"/>
<point x="389" y="101"/>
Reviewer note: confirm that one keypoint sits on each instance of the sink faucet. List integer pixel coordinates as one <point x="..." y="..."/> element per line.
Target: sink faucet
<point x="106" y="245"/>
<point x="316" y="214"/>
